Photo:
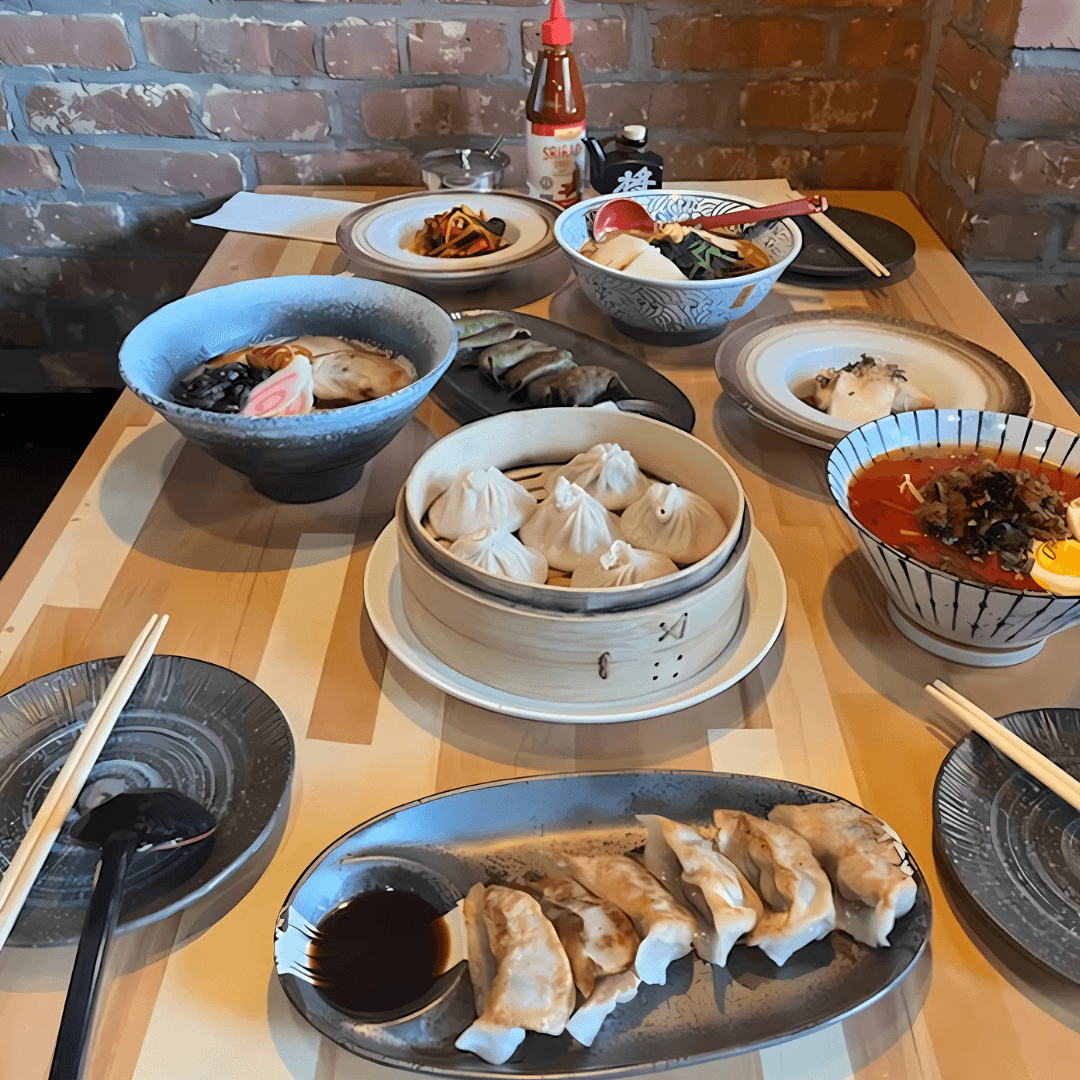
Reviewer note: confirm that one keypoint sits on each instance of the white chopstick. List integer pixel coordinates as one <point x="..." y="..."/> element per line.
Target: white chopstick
<point x="21" y="874"/>
<point x="1011" y="745"/>
<point x="849" y="243"/>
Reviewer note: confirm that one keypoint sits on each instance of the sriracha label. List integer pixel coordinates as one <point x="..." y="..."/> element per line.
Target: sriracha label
<point x="555" y="158"/>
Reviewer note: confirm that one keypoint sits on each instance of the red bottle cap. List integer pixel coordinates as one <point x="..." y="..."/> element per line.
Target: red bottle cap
<point x="558" y="30"/>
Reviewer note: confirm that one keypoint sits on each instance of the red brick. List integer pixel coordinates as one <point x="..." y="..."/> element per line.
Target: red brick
<point x="704" y="105"/>
<point x="1033" y="302"/>
<point x="999" y="23"/>
<point x="443" y="110"/>
<point x="872" y="43"/>
<point x="195" y="43"/>
<point x="971" y="71"/>
<point x="828" y="104"/>
<point x="165" y="229"/>
<point x="339" y="167"/>
<point x="941" y="206"/>
<point x="1008" y="236"/>
<point x="458" y="48"/>
<point x="20" y="331"/>
<point x="1072" y="246"/>
<point x="88" y="41"/>
<point x="1040" y="96"/>
<point x="888" y="5"/>
<point x="95" y="109"/>
<point x="963" y="12"/>
<point x="32" y="168"/>
<point x="60" y="225"/>
<point x="356" y="49"/>
<point x="939" y="128"/>
<point x="1046" y="24"/>
<point x="156" y="172"/>
<point x="875" y="167"/>
<point x="274" y="115"/>
<point x="715" y="42"/>
<point x="1035" y="167"/>
<point x="968" y="154"/>
<point x="691" y="161"/>
<point x="599" y="44"/>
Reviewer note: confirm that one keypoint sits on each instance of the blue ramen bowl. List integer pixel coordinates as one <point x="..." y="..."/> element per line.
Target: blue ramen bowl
<point x="293" y="459"/>
<point x="993" y="626"/>
<point x="674" y="312"/>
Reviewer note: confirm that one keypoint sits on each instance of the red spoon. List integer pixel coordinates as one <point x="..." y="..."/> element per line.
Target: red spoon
<point x="626" y="215"/>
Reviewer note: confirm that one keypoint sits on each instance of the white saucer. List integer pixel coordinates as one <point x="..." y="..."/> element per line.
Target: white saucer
<point x="769" y="366"/>
<point x="762" y="620"/>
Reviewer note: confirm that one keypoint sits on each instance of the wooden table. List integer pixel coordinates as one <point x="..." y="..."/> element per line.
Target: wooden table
<point x="148" y="523"/>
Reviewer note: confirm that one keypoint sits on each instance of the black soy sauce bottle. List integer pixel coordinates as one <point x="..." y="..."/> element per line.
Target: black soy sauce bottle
<point x="623" y="163"/>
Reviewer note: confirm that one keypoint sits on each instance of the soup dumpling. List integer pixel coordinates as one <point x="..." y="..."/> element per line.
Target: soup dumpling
<point x="499" y="551"/>
<point x="607" y="472"/>
<point x="675" y="522"/>
<point x="480" y="499"/>
<point x="569" y="526"/>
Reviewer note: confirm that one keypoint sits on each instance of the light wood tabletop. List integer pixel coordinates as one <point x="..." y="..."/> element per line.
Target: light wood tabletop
<point x="147" y="522"/>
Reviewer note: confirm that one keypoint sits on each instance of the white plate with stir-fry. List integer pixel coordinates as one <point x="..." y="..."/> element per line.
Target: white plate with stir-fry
<point x="449" y="237"/>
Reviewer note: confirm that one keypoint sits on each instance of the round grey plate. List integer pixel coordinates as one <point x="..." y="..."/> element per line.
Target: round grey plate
<point x="443" y="845"/>
<point x="190" y="726"/>
<point x="1011" y="844"/>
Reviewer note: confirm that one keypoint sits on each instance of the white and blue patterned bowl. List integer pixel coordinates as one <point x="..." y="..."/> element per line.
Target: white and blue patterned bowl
<point x="684" y="312"/>
<point x="983" y="616"/>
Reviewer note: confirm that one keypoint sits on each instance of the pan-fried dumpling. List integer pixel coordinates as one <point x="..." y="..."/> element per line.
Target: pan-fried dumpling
<point x="621" y="565"/>
<point x="871" y="888"/>
<point x="569" y="526"/>
<point x="607" y="472"/>
<point x="500" y="552"/>
<point x="520" y="973"/>
<point x="708" y="883"/>
<point x="601" y="943"/>
<point x="480" y="499"/>
<point x="675" y="522"/>
<point x="781" y="867"/>
<point x="665" y="927"/>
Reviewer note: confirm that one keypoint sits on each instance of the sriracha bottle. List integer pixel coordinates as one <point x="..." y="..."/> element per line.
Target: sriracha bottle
<point x="555" y="116"/>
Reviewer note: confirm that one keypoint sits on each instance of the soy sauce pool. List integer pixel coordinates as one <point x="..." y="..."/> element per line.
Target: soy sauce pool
<point x="380" y="952"/>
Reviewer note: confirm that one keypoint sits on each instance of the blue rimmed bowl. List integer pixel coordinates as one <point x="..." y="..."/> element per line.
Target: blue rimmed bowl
<point x="674" y="312"/>
<point x="984" y="625"/>
<point x="294" y="459"/>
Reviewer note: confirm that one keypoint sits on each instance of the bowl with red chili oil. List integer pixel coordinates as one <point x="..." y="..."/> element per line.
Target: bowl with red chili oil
<point x="949" y="581"/>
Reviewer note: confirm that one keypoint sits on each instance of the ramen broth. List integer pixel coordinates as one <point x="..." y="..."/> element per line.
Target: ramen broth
<point x="880" y="500"/>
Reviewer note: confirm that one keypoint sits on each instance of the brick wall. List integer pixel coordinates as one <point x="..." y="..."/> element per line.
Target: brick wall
<point x="999" y="176"/>
<point x="122" y="118"/>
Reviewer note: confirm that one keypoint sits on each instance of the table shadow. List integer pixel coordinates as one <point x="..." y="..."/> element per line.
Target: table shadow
<point x="783" y="462"/>
<point x="209" y="517"/>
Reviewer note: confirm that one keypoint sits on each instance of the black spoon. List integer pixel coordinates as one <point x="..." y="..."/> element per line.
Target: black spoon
<point x="123" y="827"/>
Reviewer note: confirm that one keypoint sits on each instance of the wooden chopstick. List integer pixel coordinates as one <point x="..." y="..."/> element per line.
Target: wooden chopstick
<point x="1010" y="744"/>
<point x="30" y="857"/>
<point x="850" y="244"/>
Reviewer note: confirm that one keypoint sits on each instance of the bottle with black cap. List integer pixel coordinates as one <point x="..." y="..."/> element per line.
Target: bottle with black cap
<point x="624" y="163"/>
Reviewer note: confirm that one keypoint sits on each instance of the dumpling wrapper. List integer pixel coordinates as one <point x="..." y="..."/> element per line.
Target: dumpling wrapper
<point x="780" y="866"/>
<point x="665" y="927"/>
<point x="607" y="472"/>
<point x="569" y="526"/>
<point x="520" y="973"/>
<point x="500" y="552"/>
<point x="598" y="937"/>
<point x="621" y="565"/>
<point x="618" y="251"/>
<point x="480" y="499"/>
<point x="610" y="992"/>
<point x="708" y="883"/>
<point x="870" y="887"/>
<point x="675" y="522"/>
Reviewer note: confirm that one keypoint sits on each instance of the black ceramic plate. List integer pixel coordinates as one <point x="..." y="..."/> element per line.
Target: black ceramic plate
<point x="441" y="846"/>
<point x="190" y="726"/>
<point x="1011" y="844"/>
<point x="822" y="257"/>
<point x="467" y="395"/>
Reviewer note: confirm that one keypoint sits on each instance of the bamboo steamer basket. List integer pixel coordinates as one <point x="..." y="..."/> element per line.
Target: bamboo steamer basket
<point x="543" y="437"/>
<point x="582" y="657"/>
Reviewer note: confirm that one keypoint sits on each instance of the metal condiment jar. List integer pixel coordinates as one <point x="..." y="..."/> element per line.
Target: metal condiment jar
<point x="463" y="169"/>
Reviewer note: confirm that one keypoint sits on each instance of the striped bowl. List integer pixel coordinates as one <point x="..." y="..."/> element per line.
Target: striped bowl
<point x="983" y="616"/>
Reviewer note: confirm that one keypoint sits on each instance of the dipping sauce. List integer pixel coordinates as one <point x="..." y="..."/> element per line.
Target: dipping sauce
<point x="881" y="500"/>
<point x="379" y="952"/>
